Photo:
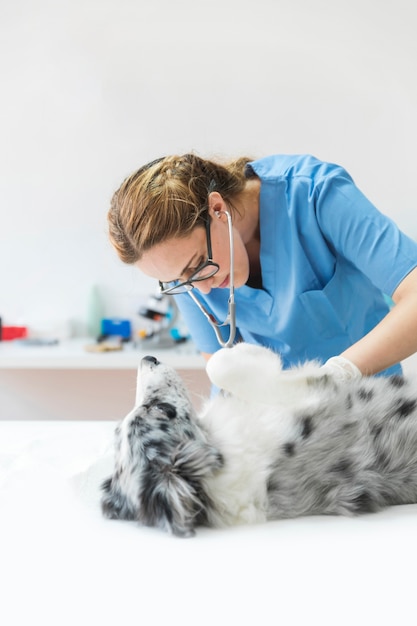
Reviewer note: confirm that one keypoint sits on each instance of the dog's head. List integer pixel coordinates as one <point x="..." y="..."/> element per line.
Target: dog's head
<point x="162" y="457"/>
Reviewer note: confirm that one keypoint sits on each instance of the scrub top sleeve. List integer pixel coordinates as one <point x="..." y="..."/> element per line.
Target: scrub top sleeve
<point x="201" y="332"/>
<point x="356" y="230"/>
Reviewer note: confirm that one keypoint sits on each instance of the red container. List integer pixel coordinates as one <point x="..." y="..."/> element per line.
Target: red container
<point x="13" y="332"/>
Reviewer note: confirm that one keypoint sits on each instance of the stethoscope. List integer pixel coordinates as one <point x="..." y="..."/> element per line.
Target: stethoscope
<point x="231" y="308"/>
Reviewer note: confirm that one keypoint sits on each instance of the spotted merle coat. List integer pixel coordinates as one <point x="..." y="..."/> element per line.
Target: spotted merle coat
<point x="272" y="445"/>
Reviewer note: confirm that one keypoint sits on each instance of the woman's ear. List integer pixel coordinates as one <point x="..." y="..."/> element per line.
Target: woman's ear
<point x="216" y="204"/>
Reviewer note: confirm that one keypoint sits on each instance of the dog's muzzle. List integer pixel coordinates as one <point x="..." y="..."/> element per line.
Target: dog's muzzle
<point x="151" y="359"/>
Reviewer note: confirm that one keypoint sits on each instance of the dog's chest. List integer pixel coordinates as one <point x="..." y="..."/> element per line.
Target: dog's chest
<point x="249" y="437"/>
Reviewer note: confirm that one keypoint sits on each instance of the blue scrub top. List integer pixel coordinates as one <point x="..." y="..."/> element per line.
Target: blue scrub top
<point x="327" y="256"/>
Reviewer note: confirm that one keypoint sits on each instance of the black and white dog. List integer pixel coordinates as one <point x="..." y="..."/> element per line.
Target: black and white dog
<point x="274" y="444"/>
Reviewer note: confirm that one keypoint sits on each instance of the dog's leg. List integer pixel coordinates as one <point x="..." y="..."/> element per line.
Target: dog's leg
<point x="253" y="373"/>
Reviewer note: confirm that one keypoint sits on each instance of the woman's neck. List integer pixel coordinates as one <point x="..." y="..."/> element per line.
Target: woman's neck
<point x="247" y="203"/>
<point x="247" y="223"/>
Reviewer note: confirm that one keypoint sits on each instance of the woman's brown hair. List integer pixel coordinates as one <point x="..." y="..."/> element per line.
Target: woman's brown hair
<point x="168" y="198"/>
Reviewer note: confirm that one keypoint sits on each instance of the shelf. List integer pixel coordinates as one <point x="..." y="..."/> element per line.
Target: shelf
<point x="72" y="354"/>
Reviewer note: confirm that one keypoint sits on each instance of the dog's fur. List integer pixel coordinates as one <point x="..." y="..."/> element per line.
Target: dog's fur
<point x="274" y="444"/>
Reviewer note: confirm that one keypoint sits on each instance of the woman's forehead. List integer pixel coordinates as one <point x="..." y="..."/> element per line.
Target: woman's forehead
<point x="168" y="260"/>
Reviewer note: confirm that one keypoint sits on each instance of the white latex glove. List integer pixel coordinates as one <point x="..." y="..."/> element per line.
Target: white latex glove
<point x="341" y="369"/>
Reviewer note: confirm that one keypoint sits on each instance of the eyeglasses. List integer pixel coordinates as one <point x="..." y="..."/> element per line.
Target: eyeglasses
<point x="208" y="269"/>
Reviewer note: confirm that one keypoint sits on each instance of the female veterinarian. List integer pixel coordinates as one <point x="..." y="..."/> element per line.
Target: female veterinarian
<point x="312" y="260"/>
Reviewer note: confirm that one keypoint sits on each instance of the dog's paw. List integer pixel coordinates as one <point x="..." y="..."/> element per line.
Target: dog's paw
<point x="244" y="370"/>
<point x="254" y="374"/>
<point x="232" y="368"/>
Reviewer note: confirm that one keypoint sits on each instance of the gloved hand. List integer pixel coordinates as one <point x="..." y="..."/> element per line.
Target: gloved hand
<point x="341" y="369"/>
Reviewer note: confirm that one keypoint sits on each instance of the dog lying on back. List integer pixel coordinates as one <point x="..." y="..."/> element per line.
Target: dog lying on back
<point x="273" y="444"/>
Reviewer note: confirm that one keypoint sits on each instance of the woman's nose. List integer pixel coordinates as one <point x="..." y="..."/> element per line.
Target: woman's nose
<point x="204" y="285"/>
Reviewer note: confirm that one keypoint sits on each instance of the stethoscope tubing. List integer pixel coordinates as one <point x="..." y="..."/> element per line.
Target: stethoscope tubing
<point x="231" y="306"/>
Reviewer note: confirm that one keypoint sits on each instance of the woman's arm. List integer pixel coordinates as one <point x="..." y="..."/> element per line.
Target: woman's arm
<point x="394" y="338"/>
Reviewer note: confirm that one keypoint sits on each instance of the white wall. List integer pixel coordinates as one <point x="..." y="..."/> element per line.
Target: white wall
<point x="92" y="89"/>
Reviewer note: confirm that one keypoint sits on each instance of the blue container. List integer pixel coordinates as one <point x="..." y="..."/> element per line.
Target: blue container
<point x="115" y="326"/>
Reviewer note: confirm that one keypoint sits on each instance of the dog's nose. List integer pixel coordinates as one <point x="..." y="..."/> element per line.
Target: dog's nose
<point x="152" y="359"/>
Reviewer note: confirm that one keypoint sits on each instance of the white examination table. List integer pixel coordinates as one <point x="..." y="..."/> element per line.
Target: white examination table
<point x="62" y="563"/>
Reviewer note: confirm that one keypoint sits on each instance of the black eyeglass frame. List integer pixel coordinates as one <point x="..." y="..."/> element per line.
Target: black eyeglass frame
<point x="231" y="306"/>
<point x="187" y="285"/>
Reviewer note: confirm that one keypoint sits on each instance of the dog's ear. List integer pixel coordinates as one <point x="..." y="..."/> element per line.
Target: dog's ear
<point x="114" y="504"/>
<point x="174" y="495"/>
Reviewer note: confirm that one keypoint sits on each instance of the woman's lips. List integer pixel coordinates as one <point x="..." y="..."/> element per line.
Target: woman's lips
<point x="225" y="283"/>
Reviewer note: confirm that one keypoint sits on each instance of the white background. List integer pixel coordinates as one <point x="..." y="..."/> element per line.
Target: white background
<point x="89" y="91"/>
<point x="92" y="89"/>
